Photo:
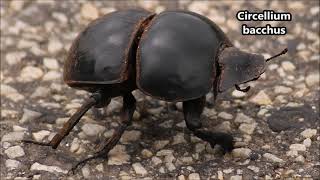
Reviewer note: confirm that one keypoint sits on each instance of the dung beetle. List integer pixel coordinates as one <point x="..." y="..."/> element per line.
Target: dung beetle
<point x="173" y="56"/>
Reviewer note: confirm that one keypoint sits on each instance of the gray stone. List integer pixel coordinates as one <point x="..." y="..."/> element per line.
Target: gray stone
<point x="92" y="129"/>
<point x="29" y="115"/>
<point x="52" y="169"/>
<point x="118" y="155"/>
<point x="309" y="133"/>
<point x="51" y="63"/>
<point x="272" y="158"/>
<point x="13" y="58"/>
<point x="85" y="172"/>
<point x="307" y="142"/>
<point x="139" y="169"/>
<point x="255" y="169"/>
<point x="236" y="177"/>
<point x="261" y="99"/>
<point x="225" y="115"/>
<point x="225" y="126"/>
<point x="75" y="145"/>
<point x="30" y="73"/>
<point x="241" y="153"/>
<point x="19" y="128"/>
<point x="178" y="139"/>
<point x="54" y="45"/>
<point x="155" y="160"/>
<point x="194" y="176"/>
<point x="10" y="93"/>
<point x="298" y="147"/>
<point x="282" y="90"/>
<point x="170" y="166"/>
<point x="242" y="118"/>
<point x="312" y="79"/>
<point x="160" y="144"/>
<point x="40" y="92"/>
<point x="129" y="136"/>
<point x="146" y="153"/>
<point x="12" y="136"/>
<point x="52" y="75"/>
<point x="300" y="158"/>
<point x="14" y="152"/>
<point x="40" y="135"/>
<point x="89" y="11"/>
<point x="12" y="164"/>
<point x="288" y="66"/>
<point x="247" y="128"/>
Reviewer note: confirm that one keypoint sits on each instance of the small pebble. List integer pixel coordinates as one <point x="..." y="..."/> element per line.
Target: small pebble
<point x="130" y="136"/>
<point x="40" y="135"/>
<point x="312" y="79"/>
<point x="194" y="176"/>
<point x="29" y="115"/>
<point x="12" y="136"/>
<point x="92" y="129"/>
<point x="236" y="177"/>
<point x="139" y="169"/>
<point x="14" y="152"/>
<point x="12" y="164"/>
<point x="288" y="66"/>
<point x="242" y="118"/>
<point x="298" y="147"/>
<point x="261" y="99"/>
<point x="30" y="73"/>
<point x="307" y="142"/>
<point x="118" y="155"/>
<point x="51" y="63"/>
<point x="53" y="169"/>
<point x="146" y="153"/>
<point x="247" y="128"/>
<point x="309" y="133"/>
<point x="160" y="144"/>
<point x="241" y="153"/>
<point x="300" y="158"/>
<point x="272" y="158"/>
<point x="225" y="115"/>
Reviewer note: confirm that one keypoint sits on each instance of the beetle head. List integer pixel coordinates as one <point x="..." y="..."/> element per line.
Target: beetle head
<point x="238" y="67"/>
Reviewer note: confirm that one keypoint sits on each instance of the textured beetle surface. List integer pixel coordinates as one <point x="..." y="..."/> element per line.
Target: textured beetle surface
<point x="173" y="56"/>
<point x="176" y="48"/>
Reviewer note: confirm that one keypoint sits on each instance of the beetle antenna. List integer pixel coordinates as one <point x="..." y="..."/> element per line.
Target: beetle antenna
<point x="282" y="52"/>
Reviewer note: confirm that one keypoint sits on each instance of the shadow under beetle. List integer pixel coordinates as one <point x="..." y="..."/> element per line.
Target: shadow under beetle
<point x="172" y="56"/>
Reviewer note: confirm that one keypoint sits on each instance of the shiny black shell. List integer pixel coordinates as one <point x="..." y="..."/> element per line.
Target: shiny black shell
<point x="176" y="57"/>
<point x="102" y="53"/>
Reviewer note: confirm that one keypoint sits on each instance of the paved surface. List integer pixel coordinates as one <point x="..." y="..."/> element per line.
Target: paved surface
<point x="276" y="124"/>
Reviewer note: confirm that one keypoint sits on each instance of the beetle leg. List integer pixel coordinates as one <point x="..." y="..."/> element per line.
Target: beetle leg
<point x="192" y="110"/>
<point x="129" y="106"/>
<point x="68" y="126"/>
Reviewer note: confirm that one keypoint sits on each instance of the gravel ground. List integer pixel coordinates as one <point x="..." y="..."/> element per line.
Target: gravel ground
<point x="275" y="124"/>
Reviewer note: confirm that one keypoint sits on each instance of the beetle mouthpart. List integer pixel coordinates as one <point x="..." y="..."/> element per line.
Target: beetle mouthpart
<point x="242" y="90"/>
<point x="281" y="53"/>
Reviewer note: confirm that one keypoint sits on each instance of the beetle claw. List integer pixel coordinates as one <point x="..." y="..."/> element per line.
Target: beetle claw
<point x="242" y="90"/>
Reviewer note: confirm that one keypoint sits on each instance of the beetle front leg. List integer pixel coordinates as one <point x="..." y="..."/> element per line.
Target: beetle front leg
<point x="192" y="110"/>
<point x="129" y="106"/>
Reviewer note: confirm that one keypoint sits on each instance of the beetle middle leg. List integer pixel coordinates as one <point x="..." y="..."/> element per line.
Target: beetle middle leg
<point x="192" y="110"/>
<point x="129" y="106"/>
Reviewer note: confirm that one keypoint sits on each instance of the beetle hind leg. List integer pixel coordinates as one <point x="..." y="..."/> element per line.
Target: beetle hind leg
<point x="192" y="110"/>
<point x="129" y="106"/>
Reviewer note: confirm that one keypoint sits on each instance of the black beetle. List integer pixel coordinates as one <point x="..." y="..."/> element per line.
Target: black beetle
<point x="173" y="56"/>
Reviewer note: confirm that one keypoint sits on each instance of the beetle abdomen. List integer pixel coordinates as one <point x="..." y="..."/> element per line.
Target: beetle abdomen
<point x="101" y="54"/>
<point x="175" y="58"/>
